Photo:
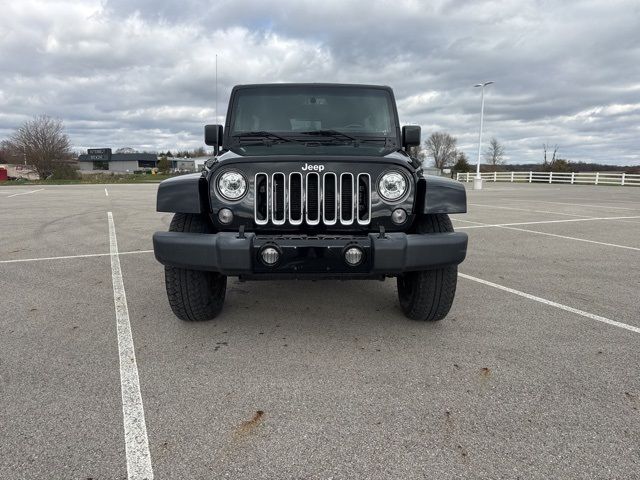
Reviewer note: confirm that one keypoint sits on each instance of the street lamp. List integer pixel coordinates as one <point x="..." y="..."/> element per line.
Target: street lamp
<point x="477" y="181"/>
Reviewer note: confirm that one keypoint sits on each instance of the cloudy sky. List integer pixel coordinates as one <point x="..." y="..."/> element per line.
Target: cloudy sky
<point x="141" y="74"/>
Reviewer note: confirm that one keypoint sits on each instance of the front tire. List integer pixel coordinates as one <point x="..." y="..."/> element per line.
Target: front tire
<point x="194" y="295"/>
<point x="428" y="295"/>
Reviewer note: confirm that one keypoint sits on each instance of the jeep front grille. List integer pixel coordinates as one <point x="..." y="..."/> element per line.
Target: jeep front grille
<point x="312" y="198"/>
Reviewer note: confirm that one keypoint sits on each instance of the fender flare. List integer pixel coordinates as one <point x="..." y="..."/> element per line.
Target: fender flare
<point x="183" y="194"/>
<point x="441" y="195"/>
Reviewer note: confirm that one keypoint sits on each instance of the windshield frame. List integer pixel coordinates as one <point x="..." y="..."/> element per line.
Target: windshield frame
<point x="230" y="141"/>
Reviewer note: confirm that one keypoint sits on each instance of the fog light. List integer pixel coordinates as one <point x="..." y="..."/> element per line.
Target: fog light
<point x="399" y="216"/>
<point x="270" y="256"/>
<point x="225" y="215"/>
<point x="353" y="256"/>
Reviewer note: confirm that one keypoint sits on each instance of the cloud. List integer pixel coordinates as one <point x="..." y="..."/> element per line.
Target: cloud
<point x="142" y="74"/>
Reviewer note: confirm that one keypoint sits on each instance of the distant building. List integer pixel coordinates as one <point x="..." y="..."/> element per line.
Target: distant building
<point x="184" y="164"/>
<point x="118" y="163"/>
<point x="20" y="171"/>
<point x="198" y="163"/>
<point x="130" y="162"/>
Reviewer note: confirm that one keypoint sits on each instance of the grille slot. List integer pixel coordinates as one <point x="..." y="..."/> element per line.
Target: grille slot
<point x="278" y="198"/>
<point x="329" y="198"/>
<point x="313" y="198"/>
<point x="261" y="202"/>
<point x="363" y="201"/>
<point x="346" y="199"/>
<point x="295" y="198"/>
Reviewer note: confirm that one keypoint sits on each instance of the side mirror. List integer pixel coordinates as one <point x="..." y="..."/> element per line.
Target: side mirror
<point x="411" y="136"/>
<point x="213" y="135"/>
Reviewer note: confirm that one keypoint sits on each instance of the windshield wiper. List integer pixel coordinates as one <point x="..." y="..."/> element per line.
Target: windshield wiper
<point x="264" y="135"/>
<point x="386" y="140"/>
<point x="330" y="133"/>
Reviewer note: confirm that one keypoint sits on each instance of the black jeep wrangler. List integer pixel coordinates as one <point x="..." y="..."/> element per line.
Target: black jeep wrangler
<point x="311" y="181"/>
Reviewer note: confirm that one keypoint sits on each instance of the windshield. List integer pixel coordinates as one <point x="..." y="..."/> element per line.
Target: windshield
<point x="340" y="114"/>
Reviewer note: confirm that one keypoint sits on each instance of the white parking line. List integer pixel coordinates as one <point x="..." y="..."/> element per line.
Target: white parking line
<point x="553" y="304"/>
<point x="135" y="429"/>
<point x="542" y="222"/>
<point x="521" y="188"/>
<point x="453" y="219"/>
<point x="573" y="238"/>
<point x="526" y="210"/>
<point x="578" y="204"/>
<point x="25" y="193"/>
<point x="504" y="226"/>
<point x="106" y="192"/>
<point x="629" y="221"/>
<point x="65" y="257"/>
<point x="87" y="185"/>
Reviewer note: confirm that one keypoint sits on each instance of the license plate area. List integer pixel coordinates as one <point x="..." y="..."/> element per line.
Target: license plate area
<point x="313" y="254"/>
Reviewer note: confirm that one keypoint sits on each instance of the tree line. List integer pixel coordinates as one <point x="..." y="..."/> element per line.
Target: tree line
<point x="43" y="144"/>
<point x="197" y="152"/>
<point x="441" y="149"/>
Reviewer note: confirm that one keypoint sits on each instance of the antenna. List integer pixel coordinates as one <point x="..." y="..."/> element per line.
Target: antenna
<point x="216" y="110"/>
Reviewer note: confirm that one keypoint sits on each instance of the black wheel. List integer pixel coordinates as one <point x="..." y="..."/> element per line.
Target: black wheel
<point x="194" y="295"/>
<point x="428" y="295"/>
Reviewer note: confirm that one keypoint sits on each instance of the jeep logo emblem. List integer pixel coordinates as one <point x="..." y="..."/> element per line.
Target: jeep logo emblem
<point x="317" y="168"/>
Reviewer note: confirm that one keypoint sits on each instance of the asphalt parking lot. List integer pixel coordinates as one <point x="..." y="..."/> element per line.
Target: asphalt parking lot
<point x="534" y="374"/>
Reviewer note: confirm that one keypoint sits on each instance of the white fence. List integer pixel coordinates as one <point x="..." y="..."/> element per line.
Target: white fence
<point x="584" y="178"/>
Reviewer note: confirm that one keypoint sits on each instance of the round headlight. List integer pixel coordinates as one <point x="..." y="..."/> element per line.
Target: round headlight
<point x="392" y="186"/>
<point x="232" y="185"/>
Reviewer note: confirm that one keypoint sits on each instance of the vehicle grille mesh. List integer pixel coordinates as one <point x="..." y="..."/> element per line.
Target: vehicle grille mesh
<point x="312" y="198"/>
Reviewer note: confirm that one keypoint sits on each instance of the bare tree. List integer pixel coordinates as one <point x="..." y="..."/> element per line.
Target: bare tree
<point x="441" y="147"/>
<point x="494" y="154"/>
<point x="548" y="165"/>
<point x="42" y="143"/>
<point x="199" y="152"/>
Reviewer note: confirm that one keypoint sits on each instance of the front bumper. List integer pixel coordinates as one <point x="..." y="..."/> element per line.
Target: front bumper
<point x="320" y="256"/>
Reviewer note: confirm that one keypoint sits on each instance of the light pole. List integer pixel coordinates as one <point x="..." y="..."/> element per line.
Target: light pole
<point x="477" y="181"/>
